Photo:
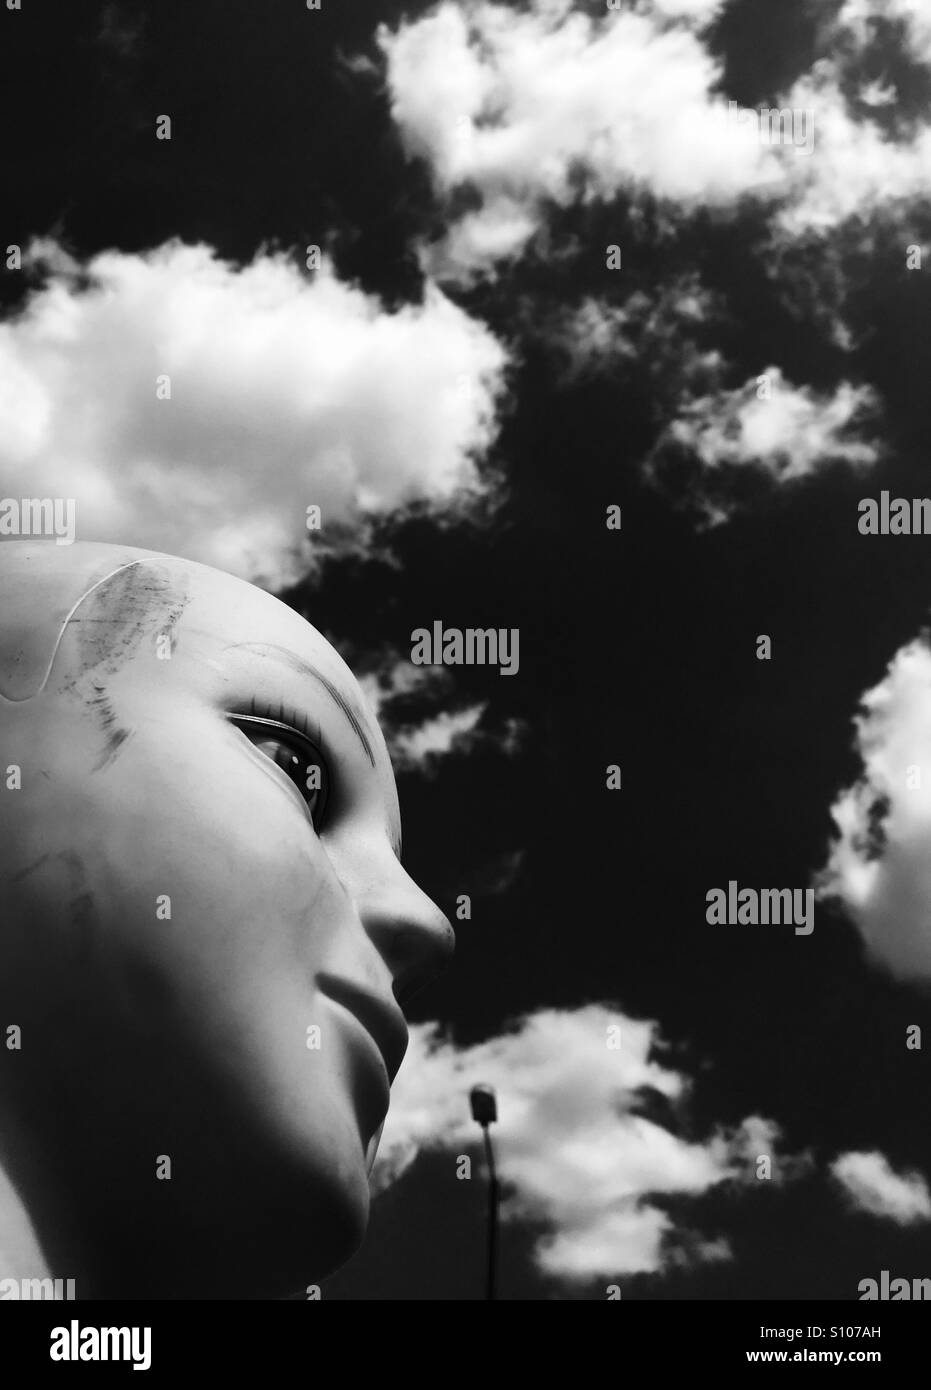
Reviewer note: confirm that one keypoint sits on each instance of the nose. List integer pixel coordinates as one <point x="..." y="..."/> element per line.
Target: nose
<point x="409" y="931"/>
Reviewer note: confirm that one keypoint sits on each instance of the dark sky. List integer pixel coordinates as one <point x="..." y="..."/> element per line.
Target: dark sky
<point x="637" y="647"/>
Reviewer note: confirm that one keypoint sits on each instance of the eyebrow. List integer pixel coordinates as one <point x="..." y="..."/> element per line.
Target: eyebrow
<point x="303" y="669"/>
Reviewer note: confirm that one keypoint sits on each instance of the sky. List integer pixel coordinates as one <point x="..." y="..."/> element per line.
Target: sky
<point x="468" y="276"/>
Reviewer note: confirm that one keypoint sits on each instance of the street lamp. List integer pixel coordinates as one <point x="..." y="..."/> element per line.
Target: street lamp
<point x="485" y="1112"/>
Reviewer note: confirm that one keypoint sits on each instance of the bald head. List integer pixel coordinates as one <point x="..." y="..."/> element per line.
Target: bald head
<point x="200" y="861"/>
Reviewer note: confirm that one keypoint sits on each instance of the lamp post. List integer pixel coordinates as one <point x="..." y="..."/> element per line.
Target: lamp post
<point x="485" y="1112"/>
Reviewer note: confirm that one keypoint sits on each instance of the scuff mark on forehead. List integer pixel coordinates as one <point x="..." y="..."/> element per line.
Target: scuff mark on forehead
<point x="141" y="600"/>
<point x="115" y="736"/>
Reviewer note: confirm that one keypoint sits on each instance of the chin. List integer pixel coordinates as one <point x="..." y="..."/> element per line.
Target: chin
<point x="276" y="1241"/>
<point x="316" y="1241"/>
<point x="325" y="1223"/>
<point x="259" y="1214"/>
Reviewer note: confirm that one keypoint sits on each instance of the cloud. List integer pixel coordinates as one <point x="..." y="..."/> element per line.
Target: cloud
<point x="401" y="679"/>
<point x="872" y="1186"/>
<point x="878" y="867"/>
<point x="786" y="432"/>
<point x="419" y="744"/>
<point x="576" y="1148"/>
<point x="121" y="30"/>
<point x="436" y="736"/>
<point x="858" y="18"/>
<point x="549" y="105"/>
<point x="423" y="719"/>
<point x="858" y="170"/>
<point x="526" y="108"/>
<point x="287" y="390"/>
<point x="699" y="12"/>
<point x="520" y="111"/>
<point x="656" y="332"/>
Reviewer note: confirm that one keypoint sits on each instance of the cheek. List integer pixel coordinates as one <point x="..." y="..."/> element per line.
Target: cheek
<point x="215" y="874"/>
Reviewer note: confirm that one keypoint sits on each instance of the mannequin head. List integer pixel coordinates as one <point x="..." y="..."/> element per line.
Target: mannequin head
<point x="206" y="927"/>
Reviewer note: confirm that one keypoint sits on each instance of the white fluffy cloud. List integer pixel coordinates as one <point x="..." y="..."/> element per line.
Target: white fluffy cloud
<point x="547" y="104"/>
<point x="783" y="430"/>
<point x="572" y="1149"/>
<point x="872" y="1186"/>
<point x="856" y="169"/>
<point x="550" y="104"/>
<point x="578" y="1152"/>
<point x="879" y="867"/>
<point x="287" y="390"/>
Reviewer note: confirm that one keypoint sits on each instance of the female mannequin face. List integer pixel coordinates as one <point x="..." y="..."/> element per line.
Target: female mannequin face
<point x="206" y="927"/>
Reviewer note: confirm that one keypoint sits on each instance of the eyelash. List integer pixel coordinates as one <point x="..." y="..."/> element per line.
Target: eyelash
<point x="291" y="729"/>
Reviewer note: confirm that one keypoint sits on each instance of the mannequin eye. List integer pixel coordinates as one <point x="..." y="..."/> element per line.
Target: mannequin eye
<point x="297" y="756"/>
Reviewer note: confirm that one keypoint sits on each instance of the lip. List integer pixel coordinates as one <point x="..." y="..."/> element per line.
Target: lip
<point x="381" y="1018"/>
